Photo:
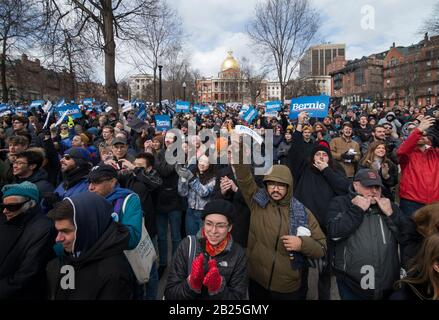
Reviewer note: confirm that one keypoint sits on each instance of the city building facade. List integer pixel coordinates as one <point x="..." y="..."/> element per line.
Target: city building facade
<point x="140" y="86"/>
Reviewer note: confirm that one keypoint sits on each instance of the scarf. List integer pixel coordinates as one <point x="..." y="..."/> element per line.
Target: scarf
<point x="298" y="218"/>
<point x="213" y="251"/>
<point x="75" y="176"/>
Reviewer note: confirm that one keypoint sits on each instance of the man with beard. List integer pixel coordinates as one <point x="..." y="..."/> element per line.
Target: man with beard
<point x="75" y="167"/>
<point x="345" y="150"/>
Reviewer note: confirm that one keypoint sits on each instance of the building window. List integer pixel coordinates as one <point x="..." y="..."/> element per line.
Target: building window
<point x="428" y="74"/>
<point x="428" y="63"/>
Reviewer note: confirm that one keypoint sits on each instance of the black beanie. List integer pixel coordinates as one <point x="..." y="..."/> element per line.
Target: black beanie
<point x="219" y="207"/>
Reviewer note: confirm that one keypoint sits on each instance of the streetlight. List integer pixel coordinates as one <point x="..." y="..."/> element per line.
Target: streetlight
<point x="160" y="86"/>
<point x="184" y="91"/>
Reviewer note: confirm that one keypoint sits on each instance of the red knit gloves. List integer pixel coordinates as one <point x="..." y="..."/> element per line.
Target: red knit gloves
<point x="213" y="279"/>
<point x="196" y="277"/>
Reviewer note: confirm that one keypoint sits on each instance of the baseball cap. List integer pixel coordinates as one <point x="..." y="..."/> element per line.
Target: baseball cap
<point x="119" y="141"/>
<point x="368" y="178"/>
<point x="102" y="172"/>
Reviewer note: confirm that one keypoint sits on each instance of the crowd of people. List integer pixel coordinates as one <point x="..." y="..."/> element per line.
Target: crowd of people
<point x="355" y="195"/>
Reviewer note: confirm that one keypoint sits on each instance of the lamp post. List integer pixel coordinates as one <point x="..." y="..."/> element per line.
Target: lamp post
<point x="160" y="86"/>
<point x="184" y="91"/>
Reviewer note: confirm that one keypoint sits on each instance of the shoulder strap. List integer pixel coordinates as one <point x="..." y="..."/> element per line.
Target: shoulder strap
<point x="192" y="252"/>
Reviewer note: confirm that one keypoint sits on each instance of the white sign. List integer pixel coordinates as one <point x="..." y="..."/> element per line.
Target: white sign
<point x="246" y="130"/>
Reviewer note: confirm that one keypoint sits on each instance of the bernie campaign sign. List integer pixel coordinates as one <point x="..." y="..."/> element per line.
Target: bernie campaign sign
<point x="316" y="106"/>
<point x="37" y="103"/>
<point x="88" y="102"/>
<point x="250" y="115"/>
<point x="182" y="106"/>
<point x="273" y="106"/>
<point x="162" y="122"/>
<point x="72" y="110"/>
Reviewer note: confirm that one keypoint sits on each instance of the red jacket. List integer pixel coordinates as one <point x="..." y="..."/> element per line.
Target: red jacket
<point x="419" y="171"/>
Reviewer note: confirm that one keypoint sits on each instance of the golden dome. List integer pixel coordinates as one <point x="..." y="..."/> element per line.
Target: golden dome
<point x="230" y="62"/>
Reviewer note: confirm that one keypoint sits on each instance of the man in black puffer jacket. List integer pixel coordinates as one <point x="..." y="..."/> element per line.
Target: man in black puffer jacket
<point x="366" y="229"/>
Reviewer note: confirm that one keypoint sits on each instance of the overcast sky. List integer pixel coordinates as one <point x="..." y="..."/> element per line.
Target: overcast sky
<point x="216" y="26"/>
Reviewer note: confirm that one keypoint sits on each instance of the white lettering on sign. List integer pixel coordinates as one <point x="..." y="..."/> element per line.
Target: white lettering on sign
<point x="308" y="106"/>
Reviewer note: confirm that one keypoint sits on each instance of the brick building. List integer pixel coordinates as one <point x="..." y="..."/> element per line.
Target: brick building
<point x="28" y="80"/>
<point x="411" y="74"/>
<point x="360" y="80"/>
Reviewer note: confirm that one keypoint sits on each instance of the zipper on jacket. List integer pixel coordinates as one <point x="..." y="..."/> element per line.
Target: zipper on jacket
<point x="382" y="231"/>
<point x="344" y="259"/>
<point x="275" y="249"/>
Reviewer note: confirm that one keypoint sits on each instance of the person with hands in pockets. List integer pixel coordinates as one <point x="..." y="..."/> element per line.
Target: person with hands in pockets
<point x="210" y="265"/>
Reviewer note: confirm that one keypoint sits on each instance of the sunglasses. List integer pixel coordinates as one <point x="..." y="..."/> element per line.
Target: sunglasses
<point x="12" y="207"/>
<point x="67" y="157"/>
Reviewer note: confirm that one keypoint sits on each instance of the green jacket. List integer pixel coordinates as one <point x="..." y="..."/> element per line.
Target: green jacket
<point x="268" y="260"/>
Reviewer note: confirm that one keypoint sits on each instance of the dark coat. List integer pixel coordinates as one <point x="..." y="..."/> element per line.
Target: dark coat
<point x="101" y="273"/>
<point x="314" y="188"/>
<point x="26" y="246"/>
<point x="232" y="265"/>
<point x="144" y="184"/>
<point x="167" y="195"/>
<point x="241" y="219"/>
<point x="40" y="179"/>
<point x="365" y="238"/>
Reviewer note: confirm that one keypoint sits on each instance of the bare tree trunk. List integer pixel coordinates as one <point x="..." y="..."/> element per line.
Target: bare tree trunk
<point x="154" y="86"/>
<point x="3" y="71"/>
<point x="110" y="54"/>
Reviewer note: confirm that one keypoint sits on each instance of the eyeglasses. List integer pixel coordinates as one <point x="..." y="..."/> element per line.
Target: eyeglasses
<point x="17" y="122"/>
<point x="273" y="185"/>
<point x="12" y="207"/>
<point x="220" y="226"/>
<point x="19" y="163"/>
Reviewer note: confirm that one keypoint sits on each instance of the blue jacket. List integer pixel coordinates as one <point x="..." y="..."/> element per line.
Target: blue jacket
<point x="131" y="217"/>
<point x="80" y="187"/>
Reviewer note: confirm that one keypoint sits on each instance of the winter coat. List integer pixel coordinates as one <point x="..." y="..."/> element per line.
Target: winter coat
<point x="419" y="171"/>
<point x="144" y="184"/>
<point x="102" y="271"/>
<point x="282" y="152"/>
<point x="338" y="147"/>
<point x="241" y="221"/>
<point x="131" y="215"/>
<point x="268" y="260"/>
<point x="198" y="194"/>
<point x="315" y="188"/>
<point x="26" y="246"/>
<point x="232" y="265"/>
<point x="168" y="198"/>
<point x="365" y="239"/>
<point x="40" y="179"/>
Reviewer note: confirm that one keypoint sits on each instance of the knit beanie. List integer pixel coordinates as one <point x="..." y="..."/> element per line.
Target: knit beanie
<point x="24" y="189"/>
<point x="219" y="207"/>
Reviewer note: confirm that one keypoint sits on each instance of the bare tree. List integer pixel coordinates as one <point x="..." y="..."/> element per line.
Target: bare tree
<point x="253" y="78"/>
<point x="431" y="24"/>
<point x="20" y="25"/>
<point x="301" y="87"/>
<point x="100" y="23"/>
<point x="285" y="29"/>
<point x="160" y="38"/>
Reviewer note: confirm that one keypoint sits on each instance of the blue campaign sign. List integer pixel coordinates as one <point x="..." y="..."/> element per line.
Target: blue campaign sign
<point x="250" y="115"/>
<point x="221" y="107"/>
<point x="72" y="110"/>
<point x="88" y="102"/>
<point x="316" y="106"/>
<point x="162" y="122"/>
<point x="273" y="106"/>
<point x="141" y="113"/>
<point x="202" y="109"/>
<point x="182" y="106"/>
<point x="4" y="107"/>
<point x="37" y="103"/>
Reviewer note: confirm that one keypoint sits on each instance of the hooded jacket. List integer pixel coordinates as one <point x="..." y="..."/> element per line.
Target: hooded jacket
<point x="40" y="179"/>
<point x="268" y="260"/>
<point x="315" y="188"/>
<point x="395" y="122"/>
<point x="101" y="270"/>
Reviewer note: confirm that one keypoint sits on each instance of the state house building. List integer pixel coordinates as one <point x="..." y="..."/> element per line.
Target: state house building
<point x="229" y="86"/>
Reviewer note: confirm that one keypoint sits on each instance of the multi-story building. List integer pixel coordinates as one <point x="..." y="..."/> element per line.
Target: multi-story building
<point x="29" y="80"/>
<point x="273" y="90"/>
<point x="140" y="86"/>
<point x="315" y="62"/>
<point x="411" y="74"/>
<point x="229" y="85"/>
<point x="360" y="80"/>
